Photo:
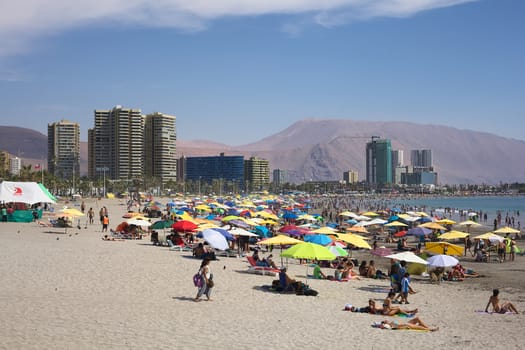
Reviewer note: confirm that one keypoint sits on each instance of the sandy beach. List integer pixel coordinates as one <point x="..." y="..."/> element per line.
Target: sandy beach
<point x="75" y="291"/>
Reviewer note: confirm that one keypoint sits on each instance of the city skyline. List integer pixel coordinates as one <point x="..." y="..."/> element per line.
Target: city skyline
<point x="235" y="74"/>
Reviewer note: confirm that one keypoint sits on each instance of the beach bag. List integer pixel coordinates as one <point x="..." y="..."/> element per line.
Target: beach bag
<point x="197" y="280"/>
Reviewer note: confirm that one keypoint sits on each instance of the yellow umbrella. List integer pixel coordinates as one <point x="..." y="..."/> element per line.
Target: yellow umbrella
<point x="370" y="213"/>
<point x="506" y="230"/>
<point x="468" y="223"/>
<point x="354" y="240"/>
<point x="444" y="248"/>
<point x="203" y="207"/>
<point x="280" y="240"/>
<point x="433" y="226"/>
<point x="324" y="230"/>
<point x="359" y="229"/>
<point x="445" y="222"/>
<point x="72" y="212"/>
<point x="347" y="213"/>
<point x="396" y="224"/>
<point x="454" y="235"/>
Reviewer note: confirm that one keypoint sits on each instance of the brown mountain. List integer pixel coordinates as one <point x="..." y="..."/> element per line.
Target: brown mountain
<point x="316" y="149"/>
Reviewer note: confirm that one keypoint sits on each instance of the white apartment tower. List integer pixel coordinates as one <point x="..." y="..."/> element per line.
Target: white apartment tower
<point x="116" y="144"/>
<point x="160" y="156"/>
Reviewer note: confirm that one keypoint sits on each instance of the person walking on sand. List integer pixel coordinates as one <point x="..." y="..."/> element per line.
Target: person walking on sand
<point x="91" y="215"/>
<point x="105" y="223"/>
<point x="500" y="308"/>
<point x="207" y="280"/>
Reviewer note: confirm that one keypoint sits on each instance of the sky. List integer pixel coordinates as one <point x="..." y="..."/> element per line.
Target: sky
<point x="236" y="71"/>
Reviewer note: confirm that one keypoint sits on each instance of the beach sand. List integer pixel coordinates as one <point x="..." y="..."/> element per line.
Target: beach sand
<point x="75" y="291"/>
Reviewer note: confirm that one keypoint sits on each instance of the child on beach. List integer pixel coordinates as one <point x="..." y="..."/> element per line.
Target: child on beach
<point x="405" y="288"/>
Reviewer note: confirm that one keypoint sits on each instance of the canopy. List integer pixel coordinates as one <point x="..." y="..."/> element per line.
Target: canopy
<point x="444" y="248"/>
<point x="23" y="192"/>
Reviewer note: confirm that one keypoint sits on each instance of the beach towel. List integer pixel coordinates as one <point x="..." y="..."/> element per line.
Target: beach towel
<point x="388" y="327"/>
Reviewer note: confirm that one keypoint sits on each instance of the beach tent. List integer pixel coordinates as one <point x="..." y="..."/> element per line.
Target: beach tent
<point x="23" y="192"/>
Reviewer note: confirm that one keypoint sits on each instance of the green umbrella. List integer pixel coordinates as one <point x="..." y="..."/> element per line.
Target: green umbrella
<point x="161" y="224"/>
<point x="308" y="250"/>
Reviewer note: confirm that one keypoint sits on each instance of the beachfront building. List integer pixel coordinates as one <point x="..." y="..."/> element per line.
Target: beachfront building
<point x="116" y="145"/>
<point x="378" y="163"/>
<point x="15" y="165"/>
<point x="280" y="177"/>
<point x="160" y="158"/>
<point x="226" y="172"/>
<point x="256" y="174"/>
<point x="4" y="163"/>
<point x="63" y="149"/>
<point x="181" y="169"/>
<point x="351" y="177"/>
<point x="421" y="159"/>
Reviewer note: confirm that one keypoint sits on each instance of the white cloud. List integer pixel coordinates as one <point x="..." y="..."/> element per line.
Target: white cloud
<point x="23" y="21"/>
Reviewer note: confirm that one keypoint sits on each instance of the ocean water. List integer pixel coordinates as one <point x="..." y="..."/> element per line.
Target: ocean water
<point x="490" y="205"/>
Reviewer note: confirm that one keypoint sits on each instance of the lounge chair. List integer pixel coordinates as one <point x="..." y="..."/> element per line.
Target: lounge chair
<point x="180" y="248"/>
<point x="262" y="270"/>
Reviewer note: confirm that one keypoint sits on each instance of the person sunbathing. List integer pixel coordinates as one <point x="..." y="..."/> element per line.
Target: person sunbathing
<point x="415" y="324"/>
<point x="390" y="310"/>
<point x="500" y="308"/>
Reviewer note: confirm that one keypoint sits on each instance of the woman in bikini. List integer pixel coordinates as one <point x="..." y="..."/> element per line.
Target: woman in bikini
<point x="391" y="310"/>
<point x="415" y="323"/>
<point x="502" y="308"/>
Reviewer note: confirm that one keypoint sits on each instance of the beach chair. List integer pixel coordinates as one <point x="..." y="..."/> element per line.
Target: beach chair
<point x="261" y="270"/>
<point x="180" y="248"/>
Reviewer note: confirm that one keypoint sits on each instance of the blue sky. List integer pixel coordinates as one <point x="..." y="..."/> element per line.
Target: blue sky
<point x="236" y="71"/>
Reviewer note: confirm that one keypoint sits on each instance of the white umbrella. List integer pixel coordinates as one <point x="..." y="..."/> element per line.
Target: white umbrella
<point x="215" y="239"/>
<point x="408" y="257"/>
<point x="136" y="222"/>
<point x="237" y="231"/>
<point x="442" y="260"/>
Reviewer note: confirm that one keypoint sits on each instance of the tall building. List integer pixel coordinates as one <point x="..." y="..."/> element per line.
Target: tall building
<point x="4" y="163"/>
<point x="397" y="158"/>
<point x="63" y="149"/>
<point x="116" y="146"/>
<point x="181" y="169"/>
<point x="351" y="177"/>
<point x="280" y="177"/>
<point x="378" y="162"/>
<point x="229" y="169"/>
<point x="15" y="164"/>
<point x="421" y="159"/>
<point x="256" y="174"/>
<point x="160" y="156"/>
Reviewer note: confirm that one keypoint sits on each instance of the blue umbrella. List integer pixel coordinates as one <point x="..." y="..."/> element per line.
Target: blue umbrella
<point x="318" y="239"/>
<point x="262" y="231"/>
<point x="222" y="231"/>
<point x="418" y="231"/>
<point x="289" y="215"/>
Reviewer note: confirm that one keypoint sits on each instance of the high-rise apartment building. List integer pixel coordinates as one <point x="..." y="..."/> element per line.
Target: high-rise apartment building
<point x="4" y="163"/>
<point x="116" y="144"/>
<point x="350" y="177"/>
<point x="63" y="149"/>
<point x="421" y="159"/>
<point x="256" y="174"/>
<point x="378" y="162"/>
<point x="160" y="156"/>
<point x="280" y="177"/>
<point x="15" y="165"/>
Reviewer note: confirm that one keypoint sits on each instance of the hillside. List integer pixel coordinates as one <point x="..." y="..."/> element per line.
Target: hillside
<point x="316" y="149"/>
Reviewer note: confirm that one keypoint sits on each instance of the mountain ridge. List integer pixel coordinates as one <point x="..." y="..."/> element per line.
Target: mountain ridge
<point x="322" y="149"/>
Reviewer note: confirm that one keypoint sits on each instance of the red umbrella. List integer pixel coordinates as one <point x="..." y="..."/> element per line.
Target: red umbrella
<point x="287" y="228"/>
<point x="400" y="234"/>
<point x="184" y="226"/>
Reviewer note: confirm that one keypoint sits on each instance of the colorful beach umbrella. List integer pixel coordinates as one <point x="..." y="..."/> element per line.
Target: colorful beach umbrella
<point x="454" y="235"/>
<point x="408" y="257"/>
<point x="444" y="248"/>
<point x="280" y="240"/>
<point x="318" y="239"/>
<point x="307" y="250"/>
<point x="441" y="260"/>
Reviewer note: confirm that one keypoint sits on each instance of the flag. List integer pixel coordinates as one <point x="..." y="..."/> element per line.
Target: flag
<point x="37" y="166"/>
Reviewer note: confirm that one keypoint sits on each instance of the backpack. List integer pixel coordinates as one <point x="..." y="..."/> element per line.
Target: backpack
<point x="197" y="280"/>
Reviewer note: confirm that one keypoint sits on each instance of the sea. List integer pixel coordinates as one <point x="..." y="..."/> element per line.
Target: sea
<point x="492" y="205"/>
